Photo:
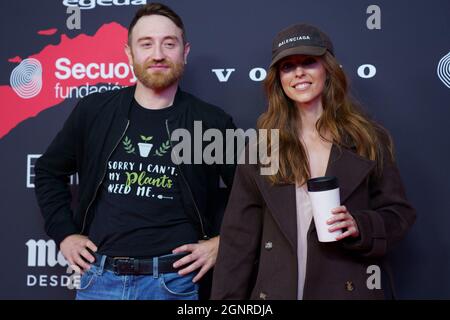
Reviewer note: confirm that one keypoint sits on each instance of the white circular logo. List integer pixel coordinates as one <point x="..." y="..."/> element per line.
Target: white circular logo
<point x="367" y="71"/>
<point x="443" y="69"/>
<point x="26" y="78"/>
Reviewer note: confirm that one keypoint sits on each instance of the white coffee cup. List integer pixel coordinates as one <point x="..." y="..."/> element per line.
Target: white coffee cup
<point x="324" y="195"/>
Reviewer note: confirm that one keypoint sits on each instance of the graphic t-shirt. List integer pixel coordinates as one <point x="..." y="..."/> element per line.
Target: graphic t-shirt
<point x="139" y="212"/>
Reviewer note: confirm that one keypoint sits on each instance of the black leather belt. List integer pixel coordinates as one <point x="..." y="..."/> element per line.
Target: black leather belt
<point x="133" y="266"/>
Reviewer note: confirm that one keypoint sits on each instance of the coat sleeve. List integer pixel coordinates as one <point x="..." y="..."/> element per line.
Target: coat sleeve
<point x="389" y="216"/>
<point x="239" y="239"/>
<point x="52" y="172"/>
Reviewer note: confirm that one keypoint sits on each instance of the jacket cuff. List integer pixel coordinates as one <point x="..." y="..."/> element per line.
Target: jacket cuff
<point x="61" y="231"/>
<point x="372" y="240"/>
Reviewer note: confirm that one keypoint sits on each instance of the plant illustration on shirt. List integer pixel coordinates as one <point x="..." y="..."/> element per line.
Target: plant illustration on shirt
<point x="145" y="147"/>
<point x="165" y="146"/>
<point x="128" y="145"/>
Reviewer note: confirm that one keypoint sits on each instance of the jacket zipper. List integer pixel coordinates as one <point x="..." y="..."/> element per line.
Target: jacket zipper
<point x="103" y="177"/>
<point x="204" y="235"/>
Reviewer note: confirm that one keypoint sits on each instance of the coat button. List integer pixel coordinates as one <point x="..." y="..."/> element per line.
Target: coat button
<point x="349" y="286"/>
<point x="263" y="296"/>
<point x="268" y="245"/>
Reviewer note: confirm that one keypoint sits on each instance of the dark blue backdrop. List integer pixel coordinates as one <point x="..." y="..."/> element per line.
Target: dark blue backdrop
<point x="405" y="95"/>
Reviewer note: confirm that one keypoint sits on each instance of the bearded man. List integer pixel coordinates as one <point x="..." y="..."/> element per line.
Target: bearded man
<point x="145" y="226"/>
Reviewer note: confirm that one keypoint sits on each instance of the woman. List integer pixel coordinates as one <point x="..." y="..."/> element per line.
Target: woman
<point x="269" y="247"/>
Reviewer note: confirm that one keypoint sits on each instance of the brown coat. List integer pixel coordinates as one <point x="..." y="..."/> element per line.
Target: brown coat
<point x="258" y="247"/>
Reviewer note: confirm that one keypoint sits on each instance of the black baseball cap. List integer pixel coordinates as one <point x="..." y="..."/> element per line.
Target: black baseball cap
<point x="300" y="39"/>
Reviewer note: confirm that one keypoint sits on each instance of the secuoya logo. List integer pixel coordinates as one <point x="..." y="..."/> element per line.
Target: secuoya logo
<point x="26" y="78"/>
<point x="443" y="70"/>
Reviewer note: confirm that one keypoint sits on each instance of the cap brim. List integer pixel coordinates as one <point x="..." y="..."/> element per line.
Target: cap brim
<point x="305" y="50"/>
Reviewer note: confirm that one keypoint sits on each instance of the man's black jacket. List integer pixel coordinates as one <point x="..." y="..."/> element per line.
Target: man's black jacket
<point x="87" y="140"/>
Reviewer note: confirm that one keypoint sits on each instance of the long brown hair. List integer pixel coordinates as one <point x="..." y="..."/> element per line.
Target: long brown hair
<point x="342" y="118"/>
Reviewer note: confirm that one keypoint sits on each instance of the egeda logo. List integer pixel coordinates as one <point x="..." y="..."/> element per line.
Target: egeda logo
<point x="26" y="78"/>
<point x="443" y="70"/>
<point x="91" y="4"/>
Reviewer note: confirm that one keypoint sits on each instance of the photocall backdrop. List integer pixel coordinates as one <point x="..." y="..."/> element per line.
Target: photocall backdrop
<point x="396" y="53"/>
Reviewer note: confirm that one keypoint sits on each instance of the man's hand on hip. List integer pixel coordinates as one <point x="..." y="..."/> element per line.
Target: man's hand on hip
<point x="202" y="255"/>
<point x="75" y="249"/>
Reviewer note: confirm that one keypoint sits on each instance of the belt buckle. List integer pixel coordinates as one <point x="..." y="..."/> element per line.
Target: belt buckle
<point x="124" y="265"/>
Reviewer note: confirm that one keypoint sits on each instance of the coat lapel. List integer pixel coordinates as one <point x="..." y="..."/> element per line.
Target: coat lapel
<point x="350" y="169"/>
<point x="280" y="200"/>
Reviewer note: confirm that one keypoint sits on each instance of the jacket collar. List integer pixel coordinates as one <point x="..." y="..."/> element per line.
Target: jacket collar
<point x="125" y="101"/>
<point x="350" y="169"/>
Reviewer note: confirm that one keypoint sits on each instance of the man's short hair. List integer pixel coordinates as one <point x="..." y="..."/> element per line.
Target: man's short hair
<point x="159" y="9"/>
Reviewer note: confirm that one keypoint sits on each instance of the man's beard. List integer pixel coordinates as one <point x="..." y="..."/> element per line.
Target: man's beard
<point x="158" y="80"/>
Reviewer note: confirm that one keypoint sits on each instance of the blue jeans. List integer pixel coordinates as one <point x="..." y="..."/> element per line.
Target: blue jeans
<point x="100" y="284"/>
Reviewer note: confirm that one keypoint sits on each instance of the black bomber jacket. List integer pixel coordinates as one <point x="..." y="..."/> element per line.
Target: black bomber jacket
<point x="87" y="140"/>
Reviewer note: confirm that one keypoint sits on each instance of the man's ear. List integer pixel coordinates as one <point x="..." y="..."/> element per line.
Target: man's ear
<point x="187" y="48"/>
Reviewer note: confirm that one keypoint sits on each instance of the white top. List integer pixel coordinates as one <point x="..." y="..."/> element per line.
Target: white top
<point x="304" y="217"/>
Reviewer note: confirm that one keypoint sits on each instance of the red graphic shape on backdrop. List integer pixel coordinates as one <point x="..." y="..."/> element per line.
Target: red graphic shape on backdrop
<point x="47" y="32"/>
<point x="105" y="46"/>
<point x="16" y="59"/>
